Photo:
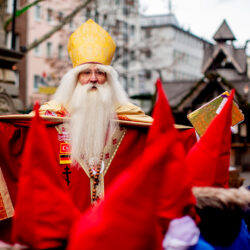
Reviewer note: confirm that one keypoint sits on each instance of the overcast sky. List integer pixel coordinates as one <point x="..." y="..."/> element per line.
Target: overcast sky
<point x="203" y="17"/>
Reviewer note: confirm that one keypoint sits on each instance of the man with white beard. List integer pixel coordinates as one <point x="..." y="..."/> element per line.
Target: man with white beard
<point x="104" y="132"/>
<point x="92" y="97"/>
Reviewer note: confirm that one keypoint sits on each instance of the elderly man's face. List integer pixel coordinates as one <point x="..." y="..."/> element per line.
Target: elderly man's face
<point x="92" y="75"/>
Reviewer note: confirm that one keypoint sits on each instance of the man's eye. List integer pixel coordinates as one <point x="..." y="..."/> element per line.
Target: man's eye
<point x="100" y="73"/>
<point x="86" y="72"/>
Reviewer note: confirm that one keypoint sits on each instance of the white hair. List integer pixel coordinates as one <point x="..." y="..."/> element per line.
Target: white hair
<point x="68" y="83"/>
<point x="92" y="121"/>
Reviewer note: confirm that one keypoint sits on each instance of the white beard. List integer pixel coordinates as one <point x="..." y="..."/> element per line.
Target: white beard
<point x="90" y="125"/>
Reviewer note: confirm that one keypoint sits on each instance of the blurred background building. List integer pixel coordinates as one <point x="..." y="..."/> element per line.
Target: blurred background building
<point x="171" y="52"/>
<point x="9" y="79"/>
<point x="42" y="68"/>
<point x="224" y="67"/>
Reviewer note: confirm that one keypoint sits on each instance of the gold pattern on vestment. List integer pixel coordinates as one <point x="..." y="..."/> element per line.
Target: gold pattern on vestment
<point x="109" y="152"/>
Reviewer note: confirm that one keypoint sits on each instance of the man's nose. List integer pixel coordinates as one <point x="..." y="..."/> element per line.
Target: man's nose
<point x="93" y="77"/>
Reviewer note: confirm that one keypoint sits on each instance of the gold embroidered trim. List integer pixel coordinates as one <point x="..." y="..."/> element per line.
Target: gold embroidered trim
<point x="110" y="149"/>
<point x="109" y="152"/>
<point x="124" y="130"/>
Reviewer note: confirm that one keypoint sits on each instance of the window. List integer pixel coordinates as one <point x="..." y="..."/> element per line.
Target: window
<point x="132" y="55"/>
<point x="49" y="49"/>
<point x="96" y="17"/>
<point x="71" y="26"/>
<point x="132" y="82"/>
<point x="125" y="63"/>
<point x="60" y="51"/>
<point x="17" y="78"/>
<point x="141" y="87"/>
<point x="36" y="82"/>
<point x="118" y="52"/>
<point x="9" y="6"/>
<point x="125" y="26"/>
<point x="8" y="36"/>
<point x="88" y="14"/>
<point x="125" y="82"/>
<point x="125" y="10"/>
<point x="38" y="13"/>
<point x="17" y="42"/>
<point x="117" y="24"/>
<point x="125" y="31"/>
<point x="147" y="74"/>
<point x="49" y="15"/>
<point x="37" y="50"/>
<point x="60" y="16"/>
<point x="125" y="36"/>
<point x="104" y="19"/>
<point x="148" y="53"/>
<point x="141" y="82"/>
<point x="125" y="58"/>
<point x="117" y="2"/>
<point x="132" y="30"/>
<point x="148" y="33"/>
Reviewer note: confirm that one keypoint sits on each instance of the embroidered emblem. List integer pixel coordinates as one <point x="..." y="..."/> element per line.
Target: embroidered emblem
<point x="63" y="135"/>
<point x="64" y="159"/>
<point x="65" y="148"/>
<point x="67" y="172"/>
<point x="107" y="156"/>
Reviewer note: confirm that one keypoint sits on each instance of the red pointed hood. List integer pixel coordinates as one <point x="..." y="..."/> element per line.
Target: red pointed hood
<point x="209" y="159"/>
<point x="176" y="194"/>
<point x="44" y="210"/>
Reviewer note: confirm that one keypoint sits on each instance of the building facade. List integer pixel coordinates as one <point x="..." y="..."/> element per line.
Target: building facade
<point x="170" y="51"/>
<point x="43" y="66"/>
<point x="147" y="46"/>
<point x="9" y="77"/>
<point x="224" y="68"/>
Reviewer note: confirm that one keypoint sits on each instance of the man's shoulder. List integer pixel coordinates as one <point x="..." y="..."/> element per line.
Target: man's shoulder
<point x="131" y="115"/>
<point x="25" y="119"/>
<point x="53" y="108"/>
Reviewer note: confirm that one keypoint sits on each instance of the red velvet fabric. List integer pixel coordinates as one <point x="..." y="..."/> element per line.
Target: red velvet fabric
<point x="209" y="159"/>
<point x="44" y="210"/>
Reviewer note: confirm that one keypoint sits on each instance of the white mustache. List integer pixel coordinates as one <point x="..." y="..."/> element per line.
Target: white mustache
<point x="92" y="86"/>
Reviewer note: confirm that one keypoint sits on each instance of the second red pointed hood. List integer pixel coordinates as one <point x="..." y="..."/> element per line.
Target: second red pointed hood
<point x="209" y="159"/>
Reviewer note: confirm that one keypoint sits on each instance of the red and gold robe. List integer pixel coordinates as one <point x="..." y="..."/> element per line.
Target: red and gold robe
<point x="127" y="143"/>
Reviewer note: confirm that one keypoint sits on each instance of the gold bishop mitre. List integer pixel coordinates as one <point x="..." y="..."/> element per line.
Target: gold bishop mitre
<point x="90" y="43"/>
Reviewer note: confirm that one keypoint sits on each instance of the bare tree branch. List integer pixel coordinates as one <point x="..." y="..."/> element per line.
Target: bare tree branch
<point x="20" y="12"/>
<point x="65" y="20"/>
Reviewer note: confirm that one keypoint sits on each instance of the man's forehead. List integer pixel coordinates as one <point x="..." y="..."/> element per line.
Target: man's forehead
<point x="92" y="67"/>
